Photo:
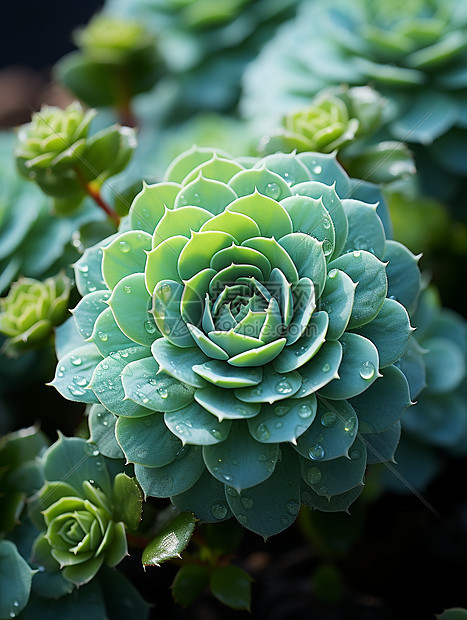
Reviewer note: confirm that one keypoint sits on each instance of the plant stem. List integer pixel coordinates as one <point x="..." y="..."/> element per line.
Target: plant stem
<point x="94" y="193"/>
<point x="96" y="196"/>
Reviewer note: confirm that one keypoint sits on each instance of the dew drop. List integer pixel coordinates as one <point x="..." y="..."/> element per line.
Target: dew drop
<point x="80" y="381"/>
<point x="278" y="424"/>
<point x="247" y="502"/>
<point x="356" y="253"/>
<point x="75" y="391"/>
<point x="327" y="247"/>
<point x="273" y="190"/>
<point x="83" y="268"/>
<point x="328" y="419"/>
<point x="289" y="178"/>
<point x="242" y="519"/>
<point x="262" y="458"/>
<point x="163" y="392"/>
<point x="124" y="247"/>
<point x="216" y="433"/>
<point x="232" y="492"/>
<point x="102" y="336"/>
<point x="326" y="367"/>
<point x="219" y="510"/>
<point x="313" y="475"/>
<point x="322" y="491"/>
<point x="332" y="274"/>
<point x="292" y="507"/>
<point x="150" y="327"/>
<point x="283" y="387"/>
<point x="326" y="223"/>
<point x="127" y="289"/>
<point x="317" y="170"/>
<point x="304" y="411"/>
<point x="281" y="410"/>
<point x="367" y="370"/>
<point x="95" y="452"/>
<point x="284" y="520"/>
<point x="262" y="432"/>
<point x="15" y="604"/>
<point x="316" y="452"/>
<point x="355" y="455"/>
<point x="76" y="361"/>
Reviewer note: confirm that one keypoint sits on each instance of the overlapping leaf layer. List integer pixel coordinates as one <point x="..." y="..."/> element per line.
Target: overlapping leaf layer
<point x="242" y="328"/>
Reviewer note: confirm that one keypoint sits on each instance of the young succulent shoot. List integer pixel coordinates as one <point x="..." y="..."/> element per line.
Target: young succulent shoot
<point x="117" y="60"/>
<point x="56" y="151"/>
<point x="84" y="509"/>
<point x="338" y="118"/>
<point x="244" y="331"/>
<point x="31" y="311"/>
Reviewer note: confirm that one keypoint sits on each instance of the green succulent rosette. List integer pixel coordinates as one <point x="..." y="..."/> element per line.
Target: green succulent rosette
<point x="117" y="59"/>
<point x="83" y="510"/>
<point x="344" y="120"/>
<point x="242" y="330"/>
<point x="31" y="310"/>
<point x="413" y="52"/>
<point x="435" y="363"/>
<point x="56" y="151"/>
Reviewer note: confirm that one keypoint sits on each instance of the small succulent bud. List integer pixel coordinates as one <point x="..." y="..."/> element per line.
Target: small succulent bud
<point x="83" y="509"/>
<point x="55" y="149"/>
<point x="31" y="310"/>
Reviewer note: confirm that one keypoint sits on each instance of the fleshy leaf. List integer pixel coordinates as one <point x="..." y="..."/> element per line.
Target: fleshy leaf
<point x="231" y="586"/>
<point x="130" y="303"/>
<point x="332" y="432"/>
<point x="171" y="541"/>
<point x="73" y="374"/>
<point x="173" y="478"/>
<point x="283" y="422"/>
<point x="272" y="506"/>
<point x="15" y="583"/>
<point x="206" y="499"/>
<point x="194" y="425"/>
<point x="240" y="461"/>
<point x="384" y="402"/>
<point x="138" y="436"/>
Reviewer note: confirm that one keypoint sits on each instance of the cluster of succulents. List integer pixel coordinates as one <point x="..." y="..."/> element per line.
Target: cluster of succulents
<point x="412" y="52"/>
<point x="243" y="327"/>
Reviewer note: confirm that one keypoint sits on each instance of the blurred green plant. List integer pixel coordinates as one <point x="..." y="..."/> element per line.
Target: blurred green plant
<point x="56" y="151"/>
<point x="117" y="60"/>
<point x="413" y="52"/>
<point x="435" y="364"/>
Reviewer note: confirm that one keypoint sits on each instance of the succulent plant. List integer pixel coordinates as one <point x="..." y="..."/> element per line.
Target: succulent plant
<point x="117" y="59"/>
<point x="204" y="45"/>
<point x="243" y="327"/>
<point x="56" y="151"/>
<point x="413" y="53"/>
<point x="345" y="120"/>
<point x="20" y="472"/>
<point x="31" y="310"/>
<point x="84" y="508"/>
<point x="435" y="364"/>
